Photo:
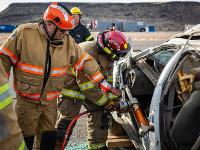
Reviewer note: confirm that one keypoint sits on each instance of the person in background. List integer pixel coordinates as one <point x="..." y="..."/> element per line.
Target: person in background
<point x="80" y="33"/>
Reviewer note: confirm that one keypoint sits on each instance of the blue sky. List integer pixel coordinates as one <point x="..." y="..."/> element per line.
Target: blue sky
<point x="5" y="3"/>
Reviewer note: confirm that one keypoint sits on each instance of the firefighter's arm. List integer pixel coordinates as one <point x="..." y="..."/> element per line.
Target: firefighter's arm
<point x="9" y="51"/>
<point x="93" y="93"/>
<point x="11" y="137"/>
<point x="86" y="63"/>
<point x="87" y="35"/>
<point x="71" y="89"/>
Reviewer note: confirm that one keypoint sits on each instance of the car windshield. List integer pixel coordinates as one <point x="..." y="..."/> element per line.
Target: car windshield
<point x="163" y="54"/>
<point x="162" y="57"/>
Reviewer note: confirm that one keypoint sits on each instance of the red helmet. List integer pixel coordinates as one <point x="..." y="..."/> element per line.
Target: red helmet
<point x="113" y="43"/>
<point x="59" y="15"/>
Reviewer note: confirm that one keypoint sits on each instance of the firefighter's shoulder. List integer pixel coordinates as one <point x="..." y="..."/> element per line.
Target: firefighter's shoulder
<point x="88" y="46"/>
<point x="28" y="26"/>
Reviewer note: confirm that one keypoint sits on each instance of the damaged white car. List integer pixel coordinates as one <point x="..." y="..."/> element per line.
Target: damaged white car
<point x="161" y="86"/>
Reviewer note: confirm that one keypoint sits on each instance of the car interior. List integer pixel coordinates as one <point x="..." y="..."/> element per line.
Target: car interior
<point x="180" y="121"/>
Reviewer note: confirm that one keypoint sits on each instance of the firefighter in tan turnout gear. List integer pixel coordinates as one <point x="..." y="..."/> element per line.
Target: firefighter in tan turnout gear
<point x="40" y="54"/>
<point x="10" y="133"/>
<point x="78" y="90"/>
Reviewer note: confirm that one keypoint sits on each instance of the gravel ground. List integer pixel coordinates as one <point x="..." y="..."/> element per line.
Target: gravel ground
<point x="78" y="139"/>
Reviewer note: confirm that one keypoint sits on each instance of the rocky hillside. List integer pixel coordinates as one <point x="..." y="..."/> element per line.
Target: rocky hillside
<point x="165" y="16"/>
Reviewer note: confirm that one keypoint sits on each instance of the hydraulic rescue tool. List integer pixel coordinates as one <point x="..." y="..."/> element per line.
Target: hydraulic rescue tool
<point x="129" y="103"/>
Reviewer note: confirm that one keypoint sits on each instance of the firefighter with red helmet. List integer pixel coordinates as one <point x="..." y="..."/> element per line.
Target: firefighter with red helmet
<point x="40" y="54"/>
<point x="78" y="90"/>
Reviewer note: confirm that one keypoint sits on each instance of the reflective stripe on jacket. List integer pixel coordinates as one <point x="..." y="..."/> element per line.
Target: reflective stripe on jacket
<point x="79" y="64"/>
<point x="73" y="94"/>
<point x="40" y="70"/>
<point x="5" y="96"/>
<point x="7" y="52"/>
<point x="86" y="85"/>
<point x="22" y="146"/>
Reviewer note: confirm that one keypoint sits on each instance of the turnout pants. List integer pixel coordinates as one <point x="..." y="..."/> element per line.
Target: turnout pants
<point x="34" y="117"/>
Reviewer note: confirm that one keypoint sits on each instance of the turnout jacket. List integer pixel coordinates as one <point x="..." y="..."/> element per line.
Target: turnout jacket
<point x="79" y="87"/>
<point x="81" y="34"/>
<point x="25" y="50"/>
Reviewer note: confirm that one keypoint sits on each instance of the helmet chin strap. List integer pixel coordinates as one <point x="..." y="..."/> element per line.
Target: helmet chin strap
<point x="110" y="53"/>
<point x="107" y="49"/>
<point x="54" y="33"/>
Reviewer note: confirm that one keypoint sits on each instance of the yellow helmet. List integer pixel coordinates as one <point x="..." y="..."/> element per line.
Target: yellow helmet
<point x="76" y="11"/>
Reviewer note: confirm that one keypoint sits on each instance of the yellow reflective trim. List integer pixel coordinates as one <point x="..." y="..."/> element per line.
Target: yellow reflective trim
<point x="102" y="100"/>
<point x="72" y="70"/>
<point x="110" y="79"/>
<point x="86" y="86"/>
<point x="73" y="94"/>
<point x="107" y="50"/>
<point x="6" y="102"/>
<point x="125" y="46"/>
<point x="111" y="96"/>
<point x="5" y="96"/>
<point x="22" y="146"/>
<point x="4" y="88"/>
<point x="96" y="146"/>
<point x="89" y="38"/>
<point x="114" y="56"/>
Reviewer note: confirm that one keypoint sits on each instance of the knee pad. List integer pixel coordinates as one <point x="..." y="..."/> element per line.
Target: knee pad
<point x="48" y="140"/>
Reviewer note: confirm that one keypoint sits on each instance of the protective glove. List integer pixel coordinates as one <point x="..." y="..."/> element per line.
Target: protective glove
<point x="119" y="106"/>
<point x="106" y="87"/>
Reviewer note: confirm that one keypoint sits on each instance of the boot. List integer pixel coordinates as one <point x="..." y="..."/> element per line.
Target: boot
<point x="29" y="141"/>
<point x="48" y="140"/>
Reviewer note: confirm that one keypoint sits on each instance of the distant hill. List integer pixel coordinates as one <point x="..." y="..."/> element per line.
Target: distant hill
<point x="170" y="16"/>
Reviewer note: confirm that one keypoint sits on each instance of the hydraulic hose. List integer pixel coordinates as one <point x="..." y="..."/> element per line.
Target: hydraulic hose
<point x="71" y="126"/>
